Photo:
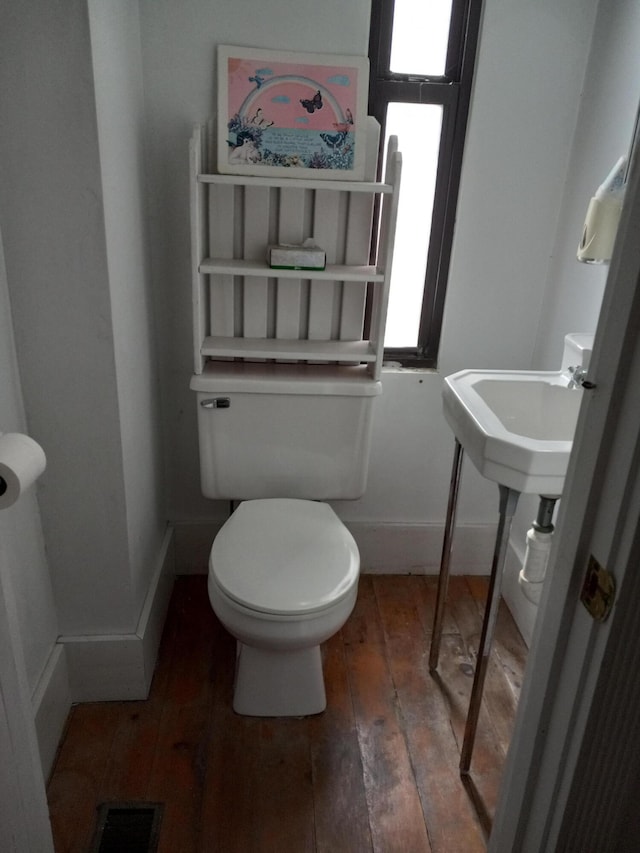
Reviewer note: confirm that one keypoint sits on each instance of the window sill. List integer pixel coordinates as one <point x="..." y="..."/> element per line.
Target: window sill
<point x="397" y="367"/>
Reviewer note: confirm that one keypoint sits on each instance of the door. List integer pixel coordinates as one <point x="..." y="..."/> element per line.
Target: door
<point x="24" y="817"/>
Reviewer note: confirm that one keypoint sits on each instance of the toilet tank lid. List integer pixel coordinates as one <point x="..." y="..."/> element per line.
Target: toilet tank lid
<point x="270" y="378"/>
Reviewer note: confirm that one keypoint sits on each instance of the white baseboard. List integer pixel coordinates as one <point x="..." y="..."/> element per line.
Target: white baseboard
<point x="120" y="666"/>
<point x="400" y="548"/>
<point x="385" y="547"/>
<point x="417" y="549"/>
<point x="51" y="702"/>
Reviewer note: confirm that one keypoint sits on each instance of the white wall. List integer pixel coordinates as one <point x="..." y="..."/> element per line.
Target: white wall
<point x="608" y="106"/>
<point x="72" y="214"/>
<point x="53" y="227"/>
<point x="530" y="72"/>
<point x="117" y="67"/>
<point x="573" y="291"/>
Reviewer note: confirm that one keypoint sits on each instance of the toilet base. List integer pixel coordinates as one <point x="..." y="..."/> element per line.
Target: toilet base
<point x="278" y="684"/>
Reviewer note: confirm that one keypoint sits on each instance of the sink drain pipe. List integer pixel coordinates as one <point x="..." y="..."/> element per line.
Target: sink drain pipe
<point x="536" y="555"/>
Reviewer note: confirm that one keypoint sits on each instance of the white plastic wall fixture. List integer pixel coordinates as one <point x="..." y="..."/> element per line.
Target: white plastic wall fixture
<point x="577" y="350"/>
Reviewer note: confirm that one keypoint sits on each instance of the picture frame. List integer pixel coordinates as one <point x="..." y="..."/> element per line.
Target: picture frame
<point x="290" y="114"/>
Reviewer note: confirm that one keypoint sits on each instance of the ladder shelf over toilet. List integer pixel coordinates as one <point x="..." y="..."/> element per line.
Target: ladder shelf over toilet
<point x="244" y="309"/>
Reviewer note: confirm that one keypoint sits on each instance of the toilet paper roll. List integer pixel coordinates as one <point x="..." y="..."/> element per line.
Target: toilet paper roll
<point x="22" y="460"/>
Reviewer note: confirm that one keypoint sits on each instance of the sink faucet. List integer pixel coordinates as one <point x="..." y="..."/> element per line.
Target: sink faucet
<point x="579" y="378"/>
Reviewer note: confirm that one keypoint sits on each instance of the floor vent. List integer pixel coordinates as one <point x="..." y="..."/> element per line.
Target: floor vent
<point x="127" y="828"/>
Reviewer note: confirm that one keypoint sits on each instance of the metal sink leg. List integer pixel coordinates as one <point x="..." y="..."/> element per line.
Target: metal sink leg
<point x="443" y="577"/>
<point x="508" y="504"/>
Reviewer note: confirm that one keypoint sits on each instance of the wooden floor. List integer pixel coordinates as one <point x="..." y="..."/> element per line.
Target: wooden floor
<point x="378" y="771"/>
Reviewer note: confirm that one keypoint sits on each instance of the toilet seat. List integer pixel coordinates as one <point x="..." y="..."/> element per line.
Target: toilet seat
<point x="285" y="557"/>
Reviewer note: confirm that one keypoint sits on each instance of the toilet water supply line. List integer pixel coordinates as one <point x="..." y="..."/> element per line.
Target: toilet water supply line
<point x="536" y="555"/>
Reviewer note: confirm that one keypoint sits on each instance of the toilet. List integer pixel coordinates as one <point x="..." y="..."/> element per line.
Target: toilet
<point x="282" y="439"/>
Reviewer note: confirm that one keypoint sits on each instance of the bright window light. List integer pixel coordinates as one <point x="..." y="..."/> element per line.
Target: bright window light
<point x="420" y="36"/>
<point x="417" y="127"/>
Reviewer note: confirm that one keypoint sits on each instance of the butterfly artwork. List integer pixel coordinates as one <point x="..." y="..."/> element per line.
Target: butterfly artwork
<point x="259" y="120"/>
<point x="303" y="113"/>
<point x="334" y="140"/>
<point x="347" y="124"/>
<point x="312" y="104"/>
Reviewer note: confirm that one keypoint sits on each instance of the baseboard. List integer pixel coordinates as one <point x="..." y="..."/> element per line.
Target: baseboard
<point x="120" y="666"/>
<point x="401" y="548"/>
<point x="417" y="549"/>
<point x="385" y="547"/>
<point x="154" y="611"/>
<point x="51" y="702"/>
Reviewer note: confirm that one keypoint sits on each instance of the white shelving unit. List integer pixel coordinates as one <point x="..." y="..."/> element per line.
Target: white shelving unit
<point x="243" y="309"/>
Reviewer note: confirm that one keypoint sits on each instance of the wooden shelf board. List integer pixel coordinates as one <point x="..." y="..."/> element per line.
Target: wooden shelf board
<point x="222" y="347"/>
<point x="297" y="183"/>
<point x="332" y="272"/>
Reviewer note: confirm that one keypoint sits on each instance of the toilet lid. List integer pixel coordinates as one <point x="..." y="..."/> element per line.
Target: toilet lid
<point x="285" y="556"/>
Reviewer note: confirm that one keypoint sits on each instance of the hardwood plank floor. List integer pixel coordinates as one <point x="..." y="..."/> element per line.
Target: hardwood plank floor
<point x="377" y="771"/>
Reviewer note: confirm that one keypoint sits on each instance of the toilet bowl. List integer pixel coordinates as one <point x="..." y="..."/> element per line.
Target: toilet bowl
<point x="283" y="578"/>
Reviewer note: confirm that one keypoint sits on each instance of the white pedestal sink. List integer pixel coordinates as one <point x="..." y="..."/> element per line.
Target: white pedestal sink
<point x="516" y="426"/>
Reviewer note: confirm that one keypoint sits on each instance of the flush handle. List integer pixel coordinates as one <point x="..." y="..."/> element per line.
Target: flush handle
<point x="216" y="403"/>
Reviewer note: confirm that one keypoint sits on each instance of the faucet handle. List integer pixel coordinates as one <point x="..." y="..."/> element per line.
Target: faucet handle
<point x="579" y="378"/>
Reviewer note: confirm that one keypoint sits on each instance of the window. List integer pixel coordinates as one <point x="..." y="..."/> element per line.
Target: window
<point x="422" y="54"/>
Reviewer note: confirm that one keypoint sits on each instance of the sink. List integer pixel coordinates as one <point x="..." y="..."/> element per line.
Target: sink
<point x="516" y="426"/>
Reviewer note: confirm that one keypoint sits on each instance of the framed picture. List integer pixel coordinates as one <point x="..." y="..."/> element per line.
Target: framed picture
<point x="291" y="114"/>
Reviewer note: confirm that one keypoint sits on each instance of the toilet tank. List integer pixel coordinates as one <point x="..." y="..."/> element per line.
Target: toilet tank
<point x="284" y="430"/>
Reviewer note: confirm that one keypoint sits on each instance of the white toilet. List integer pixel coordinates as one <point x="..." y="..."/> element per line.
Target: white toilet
<point x="283" y="570"/>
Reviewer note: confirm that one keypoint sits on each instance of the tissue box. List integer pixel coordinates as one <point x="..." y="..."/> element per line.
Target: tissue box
<point x="304" y="257"/>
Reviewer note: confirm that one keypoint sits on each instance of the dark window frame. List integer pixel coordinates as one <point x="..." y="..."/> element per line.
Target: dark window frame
<point x="452" y="91"/>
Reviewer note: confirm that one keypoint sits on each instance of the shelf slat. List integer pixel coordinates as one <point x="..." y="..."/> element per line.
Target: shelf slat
<point x="332" y="272"/>
<point x="344" y="351"/>
<point x="297" y="183"/>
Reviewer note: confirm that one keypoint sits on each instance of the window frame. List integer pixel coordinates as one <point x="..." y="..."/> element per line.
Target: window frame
<point x="451" y="91"/>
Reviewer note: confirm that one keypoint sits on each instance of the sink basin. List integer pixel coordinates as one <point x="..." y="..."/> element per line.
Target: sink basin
<point x="516" y="426"/>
